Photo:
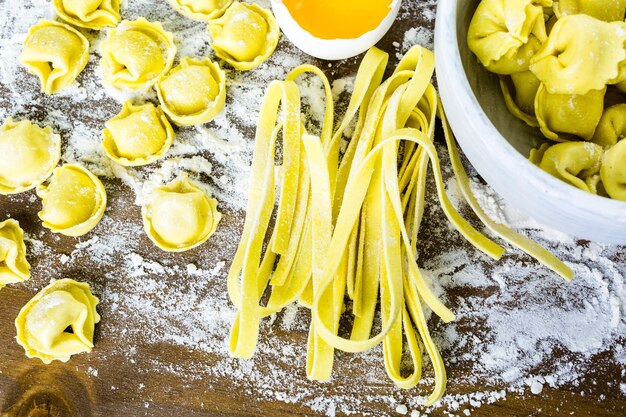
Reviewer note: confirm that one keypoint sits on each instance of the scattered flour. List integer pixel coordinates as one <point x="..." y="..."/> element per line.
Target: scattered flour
<point x="513" y="318"/>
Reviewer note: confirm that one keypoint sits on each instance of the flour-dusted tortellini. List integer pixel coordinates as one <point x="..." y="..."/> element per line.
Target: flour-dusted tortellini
<point x="73" y="202"/>
<point x="201" y="9"/>
<point x="577" y="163"/>
<point x="613" y="171"/>
<point x="13" y="264"/>
<point x="505" y="34"/>
<point x="28" y="154"/>
<point x="137" y="135"/>
<point x="582" y="54"/>
<point x="58" y="322"/>
<point x="90" y="14"/>
<point x="180" y="215"/>
<point x="193" y="92"/>
<point x="612" y="126"/>
<point x="245" y="36"/>
<point x="563" y="117"/>
<point x="136" y="54"/>
<point x="520" y="91"/>
<point x="607" y="10"/>
<point x="56" y="53"/>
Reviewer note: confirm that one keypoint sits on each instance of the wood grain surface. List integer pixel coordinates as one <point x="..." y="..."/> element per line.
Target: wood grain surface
<point x="131" y="373"/>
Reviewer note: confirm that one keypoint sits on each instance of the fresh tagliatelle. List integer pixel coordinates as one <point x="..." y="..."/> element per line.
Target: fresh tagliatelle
<point x="346" y="230"/>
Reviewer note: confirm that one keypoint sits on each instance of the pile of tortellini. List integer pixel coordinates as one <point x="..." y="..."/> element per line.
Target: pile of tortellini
<point x="135" y="56"/>
<point x="562" y="68"/>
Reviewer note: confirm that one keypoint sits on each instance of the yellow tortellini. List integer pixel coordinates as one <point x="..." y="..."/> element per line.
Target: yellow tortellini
<point x="613" y="171"/>
<point x="245" y="36"/>
<point x="505" y="34"/>
<point x="520" y="91"/>
<point x="607" y="10"/>
<point x="562" y="116"/>
<point x="582" y="54"/>
<point x="90" y="14"/>
<point x="577" y="163"/>
<point x="28" y="154"/>
<point x="201" y="9"/>
<point x="562" y="66"/>
<point x="136" y="54"/>
<point x="58" y="322"/>
<point x="180" y="216"/>
<point x="13" y="264"/>
<point x="56" y="53"/>
<point x="138" y="135"/>
<point x="612" y="126"/>
<point x="73" y="202"/>
<point x="194" y="92"/>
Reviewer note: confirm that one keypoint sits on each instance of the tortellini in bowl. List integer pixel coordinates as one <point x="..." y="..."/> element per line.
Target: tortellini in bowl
<point x="201" y="9"/>
<point x="28" y="155"/>
<point x="613" y="171"/>
<point x="582" y="54"/>
<point x="245" y="36"/>
<point x="505" y="35"/>
<point x="180" y="215"/>
<point x="13" y="264"/>
<point x="612" y="126"/>
<point x="138" y="135"/>
<point x="577" y="163"/>
<point x="73" y="201"/>
<point x="563" y="117"/>
<point x="607" y="10"/>
<point x="89" y="14"/>
<point x="136" y="54"/>
<point x="193" y="92"/>
<point x="562" y="68"/>
<point x="56" y="53"/>
<point x="58" y="322"/>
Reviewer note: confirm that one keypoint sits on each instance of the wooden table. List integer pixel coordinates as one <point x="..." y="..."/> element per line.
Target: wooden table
<point x="150" y="359"/>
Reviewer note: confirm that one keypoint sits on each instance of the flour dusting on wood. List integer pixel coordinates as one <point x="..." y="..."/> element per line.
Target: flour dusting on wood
<point x="520" y="329"/>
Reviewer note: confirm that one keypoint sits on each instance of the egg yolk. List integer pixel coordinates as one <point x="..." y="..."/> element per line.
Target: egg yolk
<point x="338" y="19"/>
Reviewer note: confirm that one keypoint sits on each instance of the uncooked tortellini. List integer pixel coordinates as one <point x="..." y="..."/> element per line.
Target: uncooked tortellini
<point x="613" y="171"/>
<point x="136" y="54"/>
<point x="73" y="202"/>
<point x="180" y="216"/>
<point x="612" y="126"/>
<point x="582" y="54"/>
<point x="56" y="53"/>
<point x="194" y="92"/>
<point x="90" y="14"/>
<point x="245" y="36"/>
<point x="138" y="135"/>
<point x="201" y="9"/>
<point x="607" y="10"/>
<point x="28" y="154"/>
<point x="520" y="91"/>
<point x="505" y="34"/>
<point x="13" y="264"/>
<point x="562" y="115"/>
<point x="58" y="322"/>
<point x="577" y="163"/>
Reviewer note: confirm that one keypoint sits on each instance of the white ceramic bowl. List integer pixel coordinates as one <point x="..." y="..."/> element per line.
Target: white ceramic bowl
<point x="497" y="144"/>
<point x="334" y="49"/>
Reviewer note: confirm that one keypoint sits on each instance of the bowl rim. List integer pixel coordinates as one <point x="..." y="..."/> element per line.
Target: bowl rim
<point x="496" y="143"/>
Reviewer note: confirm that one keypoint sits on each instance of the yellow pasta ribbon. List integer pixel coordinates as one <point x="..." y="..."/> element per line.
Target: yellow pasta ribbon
<point x="347" y="225"/>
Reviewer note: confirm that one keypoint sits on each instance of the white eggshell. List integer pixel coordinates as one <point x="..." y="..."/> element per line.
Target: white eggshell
<point x="331" y="49"/>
